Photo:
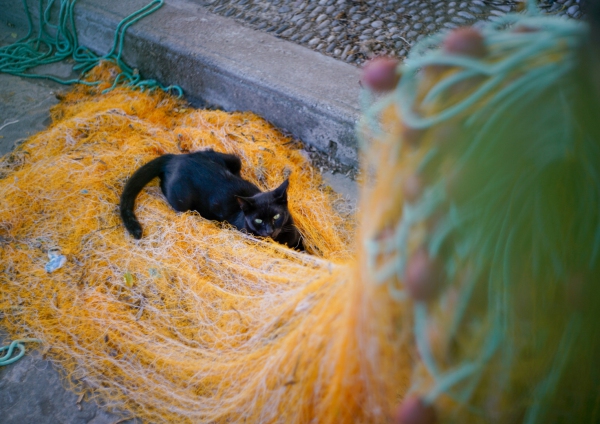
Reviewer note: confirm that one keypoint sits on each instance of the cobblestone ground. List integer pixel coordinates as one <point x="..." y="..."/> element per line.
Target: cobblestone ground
<point x="355" y="30"/>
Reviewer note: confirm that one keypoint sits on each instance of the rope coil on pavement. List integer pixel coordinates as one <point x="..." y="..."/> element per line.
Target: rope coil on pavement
<point x="58" y="41"/>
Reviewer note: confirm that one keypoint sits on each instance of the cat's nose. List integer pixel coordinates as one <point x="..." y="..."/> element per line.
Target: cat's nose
<point x="267" y="231"/>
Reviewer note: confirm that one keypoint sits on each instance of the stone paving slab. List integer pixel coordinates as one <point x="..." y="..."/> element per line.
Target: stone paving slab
<point x="31" y="391"/>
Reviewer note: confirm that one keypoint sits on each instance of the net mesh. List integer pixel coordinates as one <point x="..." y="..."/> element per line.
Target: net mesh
<point x="488" y="191"/>
<point x="196" y="321"/>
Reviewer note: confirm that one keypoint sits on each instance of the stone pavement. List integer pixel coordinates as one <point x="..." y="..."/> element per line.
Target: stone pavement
<point x="353" y="31"/>
<point x="31" y="391"/>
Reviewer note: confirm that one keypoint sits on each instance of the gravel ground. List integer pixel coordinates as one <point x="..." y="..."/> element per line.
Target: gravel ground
<point x="355" y="30"/>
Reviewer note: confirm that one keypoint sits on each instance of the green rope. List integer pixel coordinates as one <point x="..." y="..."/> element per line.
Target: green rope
<point x="8" y="358"/>
<point x="55" y="42"/>
<point x="497" y="72"/>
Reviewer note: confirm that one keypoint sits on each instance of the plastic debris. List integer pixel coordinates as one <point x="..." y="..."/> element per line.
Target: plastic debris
<point x="56" y="261"/>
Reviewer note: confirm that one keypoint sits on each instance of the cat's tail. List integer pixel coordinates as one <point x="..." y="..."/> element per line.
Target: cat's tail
<point x="134" y="185"/>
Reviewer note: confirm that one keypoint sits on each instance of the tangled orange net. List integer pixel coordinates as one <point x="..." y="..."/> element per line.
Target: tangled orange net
<point x="196" y="322"/>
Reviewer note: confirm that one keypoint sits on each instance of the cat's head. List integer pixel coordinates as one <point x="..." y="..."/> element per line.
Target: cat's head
<point x="266" y="213"/>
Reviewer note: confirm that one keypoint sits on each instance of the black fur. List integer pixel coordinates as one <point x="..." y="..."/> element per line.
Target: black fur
<point x="209" y="182"/>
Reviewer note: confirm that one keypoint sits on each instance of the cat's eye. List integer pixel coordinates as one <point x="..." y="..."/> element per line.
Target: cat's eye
<point x="258" y="221"/>
<point x="276" y="217"/>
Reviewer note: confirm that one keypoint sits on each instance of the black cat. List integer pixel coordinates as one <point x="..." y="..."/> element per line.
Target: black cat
<point x="209" y="182"/>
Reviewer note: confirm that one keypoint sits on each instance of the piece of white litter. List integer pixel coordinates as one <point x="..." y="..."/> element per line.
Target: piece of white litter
<point x="56" y="261"/>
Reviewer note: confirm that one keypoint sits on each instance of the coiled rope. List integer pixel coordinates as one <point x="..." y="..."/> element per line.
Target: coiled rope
<point x="55" y="42"/>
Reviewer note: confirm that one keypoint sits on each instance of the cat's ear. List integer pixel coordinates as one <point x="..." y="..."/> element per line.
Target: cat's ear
<point x="280" y="193"/>
<point x="245" y="202"/>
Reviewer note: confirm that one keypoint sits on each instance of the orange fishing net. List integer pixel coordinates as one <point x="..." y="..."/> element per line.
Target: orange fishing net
<point x="196" y="322"/>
